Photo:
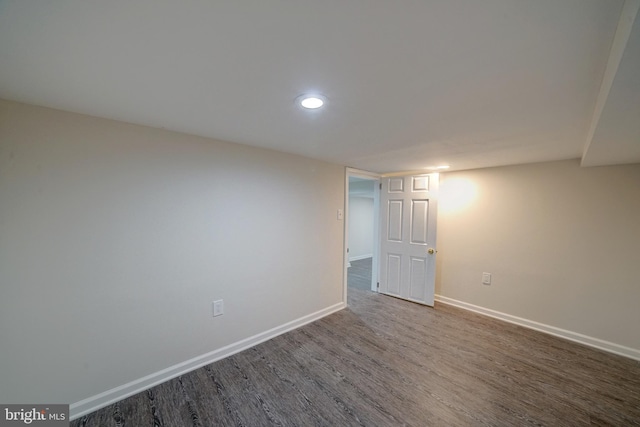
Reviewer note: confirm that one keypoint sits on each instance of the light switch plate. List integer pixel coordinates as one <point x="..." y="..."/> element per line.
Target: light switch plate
<point x="218" y="308"/>
<point x="486" y="278"/>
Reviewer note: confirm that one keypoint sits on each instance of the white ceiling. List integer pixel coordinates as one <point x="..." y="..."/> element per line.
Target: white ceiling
<point x="409" y="83"/>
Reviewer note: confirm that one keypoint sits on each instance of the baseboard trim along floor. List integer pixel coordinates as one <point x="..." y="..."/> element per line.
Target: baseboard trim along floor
<point x="116" y="394"/>
<point x="548" y="329"/>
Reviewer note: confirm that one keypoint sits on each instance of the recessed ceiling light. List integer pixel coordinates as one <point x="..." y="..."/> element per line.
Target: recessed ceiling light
<point x="311" y="102"/>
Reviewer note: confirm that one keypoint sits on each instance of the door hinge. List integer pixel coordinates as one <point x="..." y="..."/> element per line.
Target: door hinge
<point x="378" y="285"/>
<point x="347" y="250"/>
<point x="381" y="186"/>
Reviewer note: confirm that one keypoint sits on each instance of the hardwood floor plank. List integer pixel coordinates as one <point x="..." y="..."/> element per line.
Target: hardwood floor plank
<point x="359" y="274"/>
<point x="387" y="362"/>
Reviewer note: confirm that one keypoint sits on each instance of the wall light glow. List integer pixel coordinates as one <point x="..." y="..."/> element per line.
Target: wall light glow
<point x="456" y="194"/>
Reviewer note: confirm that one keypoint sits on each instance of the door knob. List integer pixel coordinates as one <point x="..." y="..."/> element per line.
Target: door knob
<point x="431" y="251"/>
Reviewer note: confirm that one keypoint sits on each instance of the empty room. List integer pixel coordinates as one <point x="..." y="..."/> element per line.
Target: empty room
<point x="440" y="223"/>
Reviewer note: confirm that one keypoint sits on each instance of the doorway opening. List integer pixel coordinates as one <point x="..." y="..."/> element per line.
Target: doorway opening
<point x="362" y="208"/>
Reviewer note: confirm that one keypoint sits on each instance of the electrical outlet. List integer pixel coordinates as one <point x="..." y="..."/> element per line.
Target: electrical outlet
<point x="218" y="308"/>
<point x="486" y="278"/>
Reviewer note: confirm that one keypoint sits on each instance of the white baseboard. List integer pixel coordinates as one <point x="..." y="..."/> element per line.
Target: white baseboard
<point x="108" y="397"/>
<point x="610" y="347"/>
<point x="359" y="257"/>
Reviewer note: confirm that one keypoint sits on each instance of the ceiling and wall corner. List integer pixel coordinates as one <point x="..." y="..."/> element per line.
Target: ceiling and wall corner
<point x="360" y="187"/>
<point x="407" y="84"/>
<point x="614" y="134"/>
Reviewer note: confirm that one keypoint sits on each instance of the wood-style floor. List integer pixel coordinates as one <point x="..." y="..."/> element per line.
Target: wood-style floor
<point x="359" y="274"/>
<point x="387" y="362"/>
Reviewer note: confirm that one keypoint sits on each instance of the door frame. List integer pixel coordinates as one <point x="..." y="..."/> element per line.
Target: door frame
<point x="357" y="173"/>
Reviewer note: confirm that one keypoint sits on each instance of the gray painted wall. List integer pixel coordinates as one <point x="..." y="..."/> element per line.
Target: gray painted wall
<point x="115" y="239"/>
<point x="361" y="230"/>
<point x="562" y="244"/>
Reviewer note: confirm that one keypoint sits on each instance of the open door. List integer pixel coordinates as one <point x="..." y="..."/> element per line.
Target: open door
<point x="408" y="236"/>
<point x="374" y="180"/>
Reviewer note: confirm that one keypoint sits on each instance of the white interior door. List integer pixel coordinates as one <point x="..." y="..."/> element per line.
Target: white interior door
<point x="408" y="237"/>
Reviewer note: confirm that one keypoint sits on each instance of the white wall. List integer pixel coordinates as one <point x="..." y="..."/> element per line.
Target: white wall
<point x="115" y="239"/>
<point x="361" y="230"/>
<point x="562" y="243"/>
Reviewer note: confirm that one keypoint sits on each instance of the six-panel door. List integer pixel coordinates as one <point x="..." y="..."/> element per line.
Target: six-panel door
<point x="408" y="220"/>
